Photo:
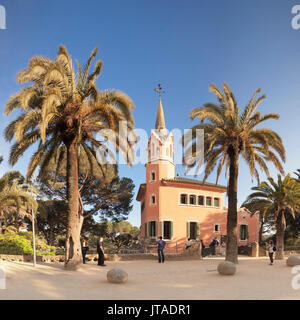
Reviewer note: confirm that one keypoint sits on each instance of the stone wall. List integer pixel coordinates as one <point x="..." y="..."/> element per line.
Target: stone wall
<point x="193" y="253"/>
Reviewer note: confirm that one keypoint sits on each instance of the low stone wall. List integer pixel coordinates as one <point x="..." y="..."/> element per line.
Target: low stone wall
<point x="193" y="253"/>
<point x="23" y="258"/>
<point x="89" y="257"/>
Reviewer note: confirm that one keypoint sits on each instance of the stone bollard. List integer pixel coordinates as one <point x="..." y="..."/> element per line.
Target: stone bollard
<point x="226" y="268"/>
<point x="292" y="261"/>
<point x="255" y="249"/>
<point x="117" y="276"/>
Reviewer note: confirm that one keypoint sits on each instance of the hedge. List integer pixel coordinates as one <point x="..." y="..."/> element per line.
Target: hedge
<point x="20" y="244"/>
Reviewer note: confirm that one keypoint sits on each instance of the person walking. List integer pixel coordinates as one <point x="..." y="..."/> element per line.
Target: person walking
<point x="160" y="250"/>
<point x="271" y="248"/>
<point x="84" y="249"/>
<point x="100" y="251"/>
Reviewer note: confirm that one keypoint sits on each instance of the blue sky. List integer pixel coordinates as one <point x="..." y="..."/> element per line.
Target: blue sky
<point x="186" y="45"/>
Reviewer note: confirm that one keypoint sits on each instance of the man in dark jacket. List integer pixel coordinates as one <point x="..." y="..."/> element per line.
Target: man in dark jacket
<point x="100" y="252"/>
<point x="160" y="250"/>
<point x="213" y="245"/>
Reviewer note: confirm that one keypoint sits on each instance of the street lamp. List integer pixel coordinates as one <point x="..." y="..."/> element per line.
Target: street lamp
<point x="33" y="226"/>
<point x="33" y="236"/>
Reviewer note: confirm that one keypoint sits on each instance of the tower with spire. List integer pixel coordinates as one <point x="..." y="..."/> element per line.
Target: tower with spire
<point x="159" y="167"/>
<point x="160" y="150"/>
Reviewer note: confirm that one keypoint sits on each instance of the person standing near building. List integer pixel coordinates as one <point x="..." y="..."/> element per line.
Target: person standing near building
<point x="100" y="251"/>
<point x="202" y="249"/>
<point x="84" y="249"/>
<point x="213" y="246"/>
<point x="160" y="250"/>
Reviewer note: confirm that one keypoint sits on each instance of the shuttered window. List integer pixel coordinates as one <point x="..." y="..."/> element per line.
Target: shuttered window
<point x="152" y="229"/>
<point x="192" y="199"/>
<point x="243" y="232"/>
<point x="216" y="202"/>
<point x="188" y="230"/>
<point x="200" y="201"/>
<point x="183" y="199"/>
<point x="167" y="230"/>
<point x="208" y="201"/>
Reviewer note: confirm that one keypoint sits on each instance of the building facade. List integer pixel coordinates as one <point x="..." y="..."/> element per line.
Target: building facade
<point x="178" y="208"/>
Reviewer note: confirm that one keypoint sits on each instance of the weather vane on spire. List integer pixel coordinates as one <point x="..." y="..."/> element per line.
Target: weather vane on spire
<point x="159" y="90"/>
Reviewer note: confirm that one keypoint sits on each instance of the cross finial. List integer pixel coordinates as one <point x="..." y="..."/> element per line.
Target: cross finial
<point x="159" y="90"/>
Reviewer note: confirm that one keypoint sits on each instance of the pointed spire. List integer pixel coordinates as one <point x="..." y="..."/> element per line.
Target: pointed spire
<point x="160" y="118"/>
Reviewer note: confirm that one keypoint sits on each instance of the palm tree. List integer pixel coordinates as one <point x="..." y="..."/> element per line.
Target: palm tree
<point x="14" y="199"/>
<point x="297" y="173"/>
<point x="61" y="108"/>
<point x="276" y="199"/>
<point x="227" y="135"/>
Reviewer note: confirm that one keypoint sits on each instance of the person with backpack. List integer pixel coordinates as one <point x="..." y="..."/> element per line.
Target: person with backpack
<point x="271" y="248"/>
<point x="213" y="245"/>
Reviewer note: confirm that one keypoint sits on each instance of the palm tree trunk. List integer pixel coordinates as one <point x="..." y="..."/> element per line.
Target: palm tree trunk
<point x="231" y="244"/>
<point x="73" y="248"/>
<point x="51" y="236"/>
<point x="280" y="228"/>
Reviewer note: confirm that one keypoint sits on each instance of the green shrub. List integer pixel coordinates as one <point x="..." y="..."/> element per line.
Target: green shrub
<point x="12" y="243"/>
<point x="21" y="244"/>
<point x="44" y="249"/>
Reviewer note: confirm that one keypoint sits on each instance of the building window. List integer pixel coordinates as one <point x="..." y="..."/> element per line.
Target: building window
<point x="192" y="199"/>
<point x="183" y="199"/>
<point x="216" y="202"/>
<point x="243" y="232"/>
<point x="200" y="201"/>
<point x="216" y="228"/>
<point x="157" y="151"/>
<point x="167" y="230"/>
<point x="208" y="201"/>
<point x="152" y="229"/>
<point x="193" y="230"/>
<point x="153" y="176"/>
<point x="153" y="199"/>
<point x="142" y="206"/>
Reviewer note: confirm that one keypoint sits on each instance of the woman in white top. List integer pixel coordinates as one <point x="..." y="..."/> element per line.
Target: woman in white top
<point x="270" y="247"/>
<point x="188" y="244"/>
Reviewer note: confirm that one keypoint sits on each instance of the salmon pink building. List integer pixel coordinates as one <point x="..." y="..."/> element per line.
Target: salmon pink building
<point x="178" y="208"/>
